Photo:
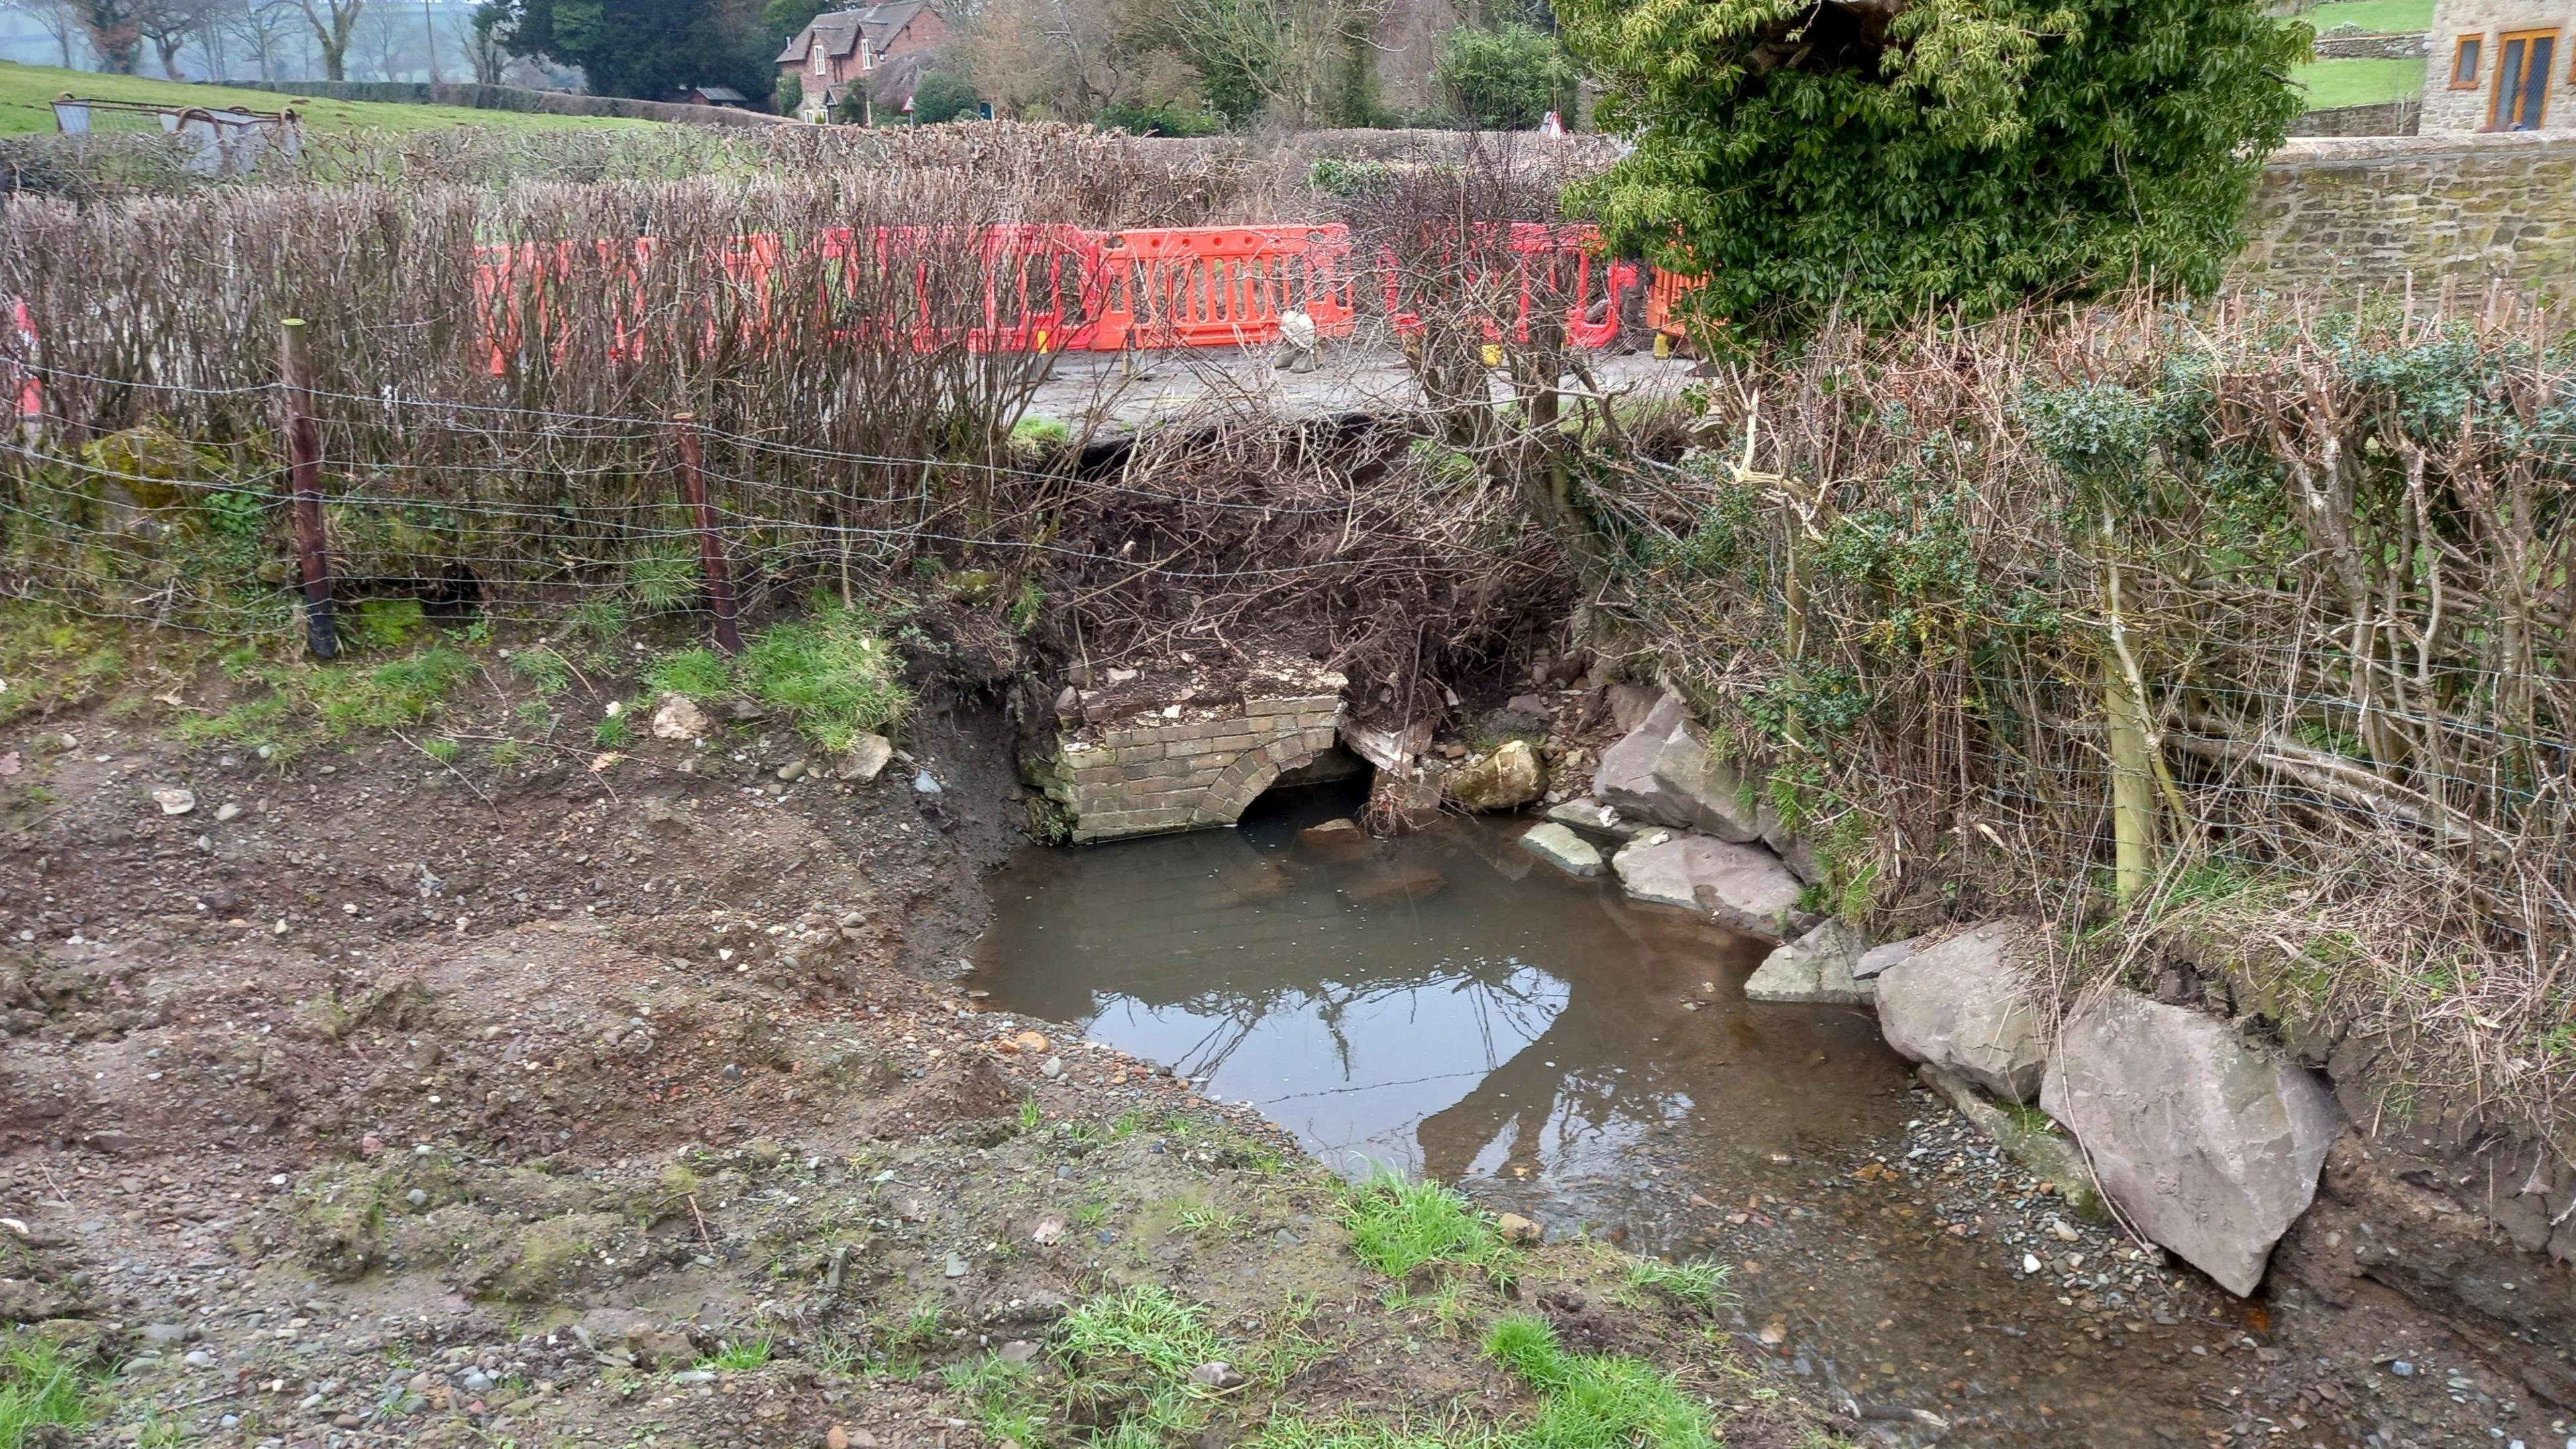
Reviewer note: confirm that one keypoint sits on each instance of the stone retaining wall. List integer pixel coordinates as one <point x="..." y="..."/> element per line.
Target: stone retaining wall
<point x="1149" y="776"/>
<point x="2332" y="213"/>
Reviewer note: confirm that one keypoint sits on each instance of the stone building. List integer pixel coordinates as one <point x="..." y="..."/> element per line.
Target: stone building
<point x="2501" y="65"/>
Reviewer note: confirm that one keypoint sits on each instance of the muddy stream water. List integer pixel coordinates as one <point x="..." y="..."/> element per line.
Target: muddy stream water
<point x="1454" y="1008"/>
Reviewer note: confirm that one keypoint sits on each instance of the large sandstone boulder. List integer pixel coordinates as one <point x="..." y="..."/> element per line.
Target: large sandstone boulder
<point x="2210" y="1147"/>
<point x="1661" y="771"/>
<point x="1740" y="886"/>
<point x="1814" y="970"/>
<point x="1507" y="779"/>
<point x="1961" y="1006"/>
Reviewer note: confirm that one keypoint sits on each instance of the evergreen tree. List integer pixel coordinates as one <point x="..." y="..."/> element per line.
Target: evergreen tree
<point x="1883" y="157"/>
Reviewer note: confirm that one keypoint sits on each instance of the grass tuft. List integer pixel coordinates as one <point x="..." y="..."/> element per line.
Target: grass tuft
<point x="696" y="673"/>
<point x="1399" y="1227"/>
<point x="1697" y="1283"/>
<point x="38" y="1389"/>
<point x="738" y="1357"/>
<point x="1593" y="1401"/>
<point x="833" y="675"/>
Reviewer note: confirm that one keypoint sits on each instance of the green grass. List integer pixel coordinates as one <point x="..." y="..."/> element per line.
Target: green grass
<point x="1398" y="1227"/>
<point x="308" y="702"/>
<point x="38" y="1388"/>
<point x="2332" y="83"/>
<point x="1585" y="1401"/>
<point x="1698" y="1283"/>
<point x="699" y="673"/>
<point x="1295" y="1433"/>
<point x="832" y="673"/>
<point x="1593" y="1401"/>
<point x="27" y="93"/>
<point x="2381" y="17"/>
<point x="738" y="1357"/>
<point x="1146" y="1332"/>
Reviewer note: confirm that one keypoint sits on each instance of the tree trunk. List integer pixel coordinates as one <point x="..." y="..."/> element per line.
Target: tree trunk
<point x="2133" y="796"/>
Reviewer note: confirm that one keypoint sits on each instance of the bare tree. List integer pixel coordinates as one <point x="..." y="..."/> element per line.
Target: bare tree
<point x="333" y="22"/>
<point x="478" y="33"/>
<point x="382" y="40"/>
<point x="56" y="16"/>
<point x="170" y="25"/>
<point x="263" y="27"/>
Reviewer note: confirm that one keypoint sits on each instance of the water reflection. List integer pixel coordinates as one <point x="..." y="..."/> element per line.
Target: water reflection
<point x="1447" y="1004"/>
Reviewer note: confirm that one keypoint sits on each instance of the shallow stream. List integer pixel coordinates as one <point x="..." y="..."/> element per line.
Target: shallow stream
<point x="1452" y="1007"/>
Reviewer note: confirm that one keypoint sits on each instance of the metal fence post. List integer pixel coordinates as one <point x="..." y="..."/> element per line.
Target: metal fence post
<point x="304" y="456"/>
<point x="711" y="556"/>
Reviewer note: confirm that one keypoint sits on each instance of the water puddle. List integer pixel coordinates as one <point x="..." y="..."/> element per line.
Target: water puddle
<point x="1452" y="1007"/>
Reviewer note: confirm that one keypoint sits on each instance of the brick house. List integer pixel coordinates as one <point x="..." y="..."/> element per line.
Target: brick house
<point x="2501" y="65"/>
<point x="848" y="48"/>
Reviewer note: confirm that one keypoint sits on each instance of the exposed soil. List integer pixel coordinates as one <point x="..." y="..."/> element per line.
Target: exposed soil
<point x="618" y="1098"/>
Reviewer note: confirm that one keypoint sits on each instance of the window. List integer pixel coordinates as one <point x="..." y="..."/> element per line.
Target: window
<point x="2523" y="62"/>
<point x="822" y="61"/>
<point x="2464" y="63"/>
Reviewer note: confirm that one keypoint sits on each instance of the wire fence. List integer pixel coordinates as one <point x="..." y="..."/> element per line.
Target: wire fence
<point x="2255" y="625"/>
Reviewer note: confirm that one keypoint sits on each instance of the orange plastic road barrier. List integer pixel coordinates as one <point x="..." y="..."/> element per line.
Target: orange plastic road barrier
<point x="1550" y="264"/>
<point x="31" y="397"/>
<point x="1219" y="286"/>
<point x="1031" y="286"/>
<point x="1663" y="300"/>
<point x="509" y="318"/>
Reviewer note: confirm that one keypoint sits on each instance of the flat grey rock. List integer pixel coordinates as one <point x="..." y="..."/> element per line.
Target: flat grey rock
<point x="1878" y="958"/>
<point x="1743" y="887"/>
<point x="1562" y="848"/>
<point x="1814" y="970"/>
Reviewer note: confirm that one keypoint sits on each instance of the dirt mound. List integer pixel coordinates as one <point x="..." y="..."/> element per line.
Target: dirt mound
<point x="959" y="1095"/>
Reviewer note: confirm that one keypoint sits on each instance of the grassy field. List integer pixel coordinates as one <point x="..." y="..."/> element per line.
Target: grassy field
<point x="2385" y="17"/>
<point x="27" y="93"/>
<point x="2359" y="82"/>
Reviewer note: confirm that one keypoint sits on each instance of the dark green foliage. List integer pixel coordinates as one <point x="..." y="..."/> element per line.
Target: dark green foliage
<point x="943" y="96"/>
<point x="1809" y="159"/>
<point x="1166" y="118"/>
<point x="1507" y="78"/>
<point x="647" y="49"/>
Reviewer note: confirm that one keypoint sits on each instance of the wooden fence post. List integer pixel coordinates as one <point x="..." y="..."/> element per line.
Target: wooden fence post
<point x="711" y="556"/>
<point x="304" y="477"/>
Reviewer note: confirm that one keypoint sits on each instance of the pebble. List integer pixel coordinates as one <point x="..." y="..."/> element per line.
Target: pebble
<point x="175" y="802"/>
<point x="1053" y="1069"/>
<point x="199" y="1358"/>
<point x="792" y="770"/>
<point x="475" y="1381"/>
<point x="686" y="1377"/>
<point x="227" y="811"/>
<point x="2402" y="1369"/>
<point x="923" y="784"/>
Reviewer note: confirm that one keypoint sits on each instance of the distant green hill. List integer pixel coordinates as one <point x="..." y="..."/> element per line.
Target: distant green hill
<point x="27" y="93"/>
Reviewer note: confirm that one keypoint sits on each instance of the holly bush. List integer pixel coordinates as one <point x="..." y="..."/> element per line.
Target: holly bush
<point x="1888" y="158"/>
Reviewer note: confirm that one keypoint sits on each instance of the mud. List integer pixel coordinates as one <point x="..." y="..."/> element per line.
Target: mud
<point x="622" y="1096"/>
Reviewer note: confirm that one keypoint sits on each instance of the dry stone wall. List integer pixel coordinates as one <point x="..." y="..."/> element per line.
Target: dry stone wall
<point x="2456" y="211"/>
